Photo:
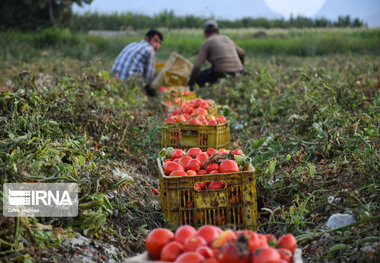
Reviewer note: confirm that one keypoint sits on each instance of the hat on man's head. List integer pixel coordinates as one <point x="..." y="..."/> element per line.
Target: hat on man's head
<point x="211" y="24"/>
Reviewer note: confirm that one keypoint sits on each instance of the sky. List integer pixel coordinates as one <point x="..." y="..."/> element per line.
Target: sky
<point x="367" y="10"/>
<point x="227" y="9"/>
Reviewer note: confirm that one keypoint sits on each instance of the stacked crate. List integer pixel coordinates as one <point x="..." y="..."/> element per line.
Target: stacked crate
<point x="235" y="205"/>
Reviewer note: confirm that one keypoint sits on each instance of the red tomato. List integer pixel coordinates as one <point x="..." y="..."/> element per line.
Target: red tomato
<point x="186" y="109"/>
<point x="202" y="172"/>
<point x="172" y="166"/>
<point x="156" y="240"/>
<point x="200" y="186"/>
<point x="204" y="105"/>
<point x="216" y="185"/>
<point x="190" y="257"/>
<point x="197" y="102"/>
<point x="169" y="120"/>
<point x="195" y="122"/>
<point x="214" y="172"/>
<point x="193" y="164"/>
<point x="211" y="260"/>
<point x="221" y="119"/>
<point x="285" y="254"/>
<point x="266" y="255"/>
<point x="176" y="112"/>
<point x="209" y="233"/>
<point x="212" y="166"/>
<point x="230" y="253"/>
<point x="180" y="118"/>
<point x="155" y="191"/>
<point x="176" y="153"/>
<point x="191" y="172"/>
<point x="178" y="173"/>
<point x="193" y="152"/>
<point x="236" y="152"/>
<point x="229" y="166"/>
<point x="205" y="251"/>
<point x="257" y="241"/>
<point x="184" y="232"/>
<point x="211" y="151"/>
<point x="184" y="160"/>
<point x="201" y="111"/>
<point x="219" y="219"/>
<point x="288" y="241"/>
<point x="193" y="242"/>
<point x="202" y="157"/>
<point x="271" y="240"/>
<point x="223" y="238"/>
<point x="201" y="118"/>
<point x="171" y="251"/>
<point x="222" y="150"/>
<point x="212" y="122"/>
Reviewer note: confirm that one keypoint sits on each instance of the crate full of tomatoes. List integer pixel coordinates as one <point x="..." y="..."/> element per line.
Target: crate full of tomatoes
<point x="211" y="244"/>
<point x="196" y="124"/>
<point x="215" y="187"/>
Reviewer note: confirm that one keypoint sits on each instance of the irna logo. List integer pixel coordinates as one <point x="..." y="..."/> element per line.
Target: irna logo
<point x="40" y="199"/>
<point x="20" y="197"/>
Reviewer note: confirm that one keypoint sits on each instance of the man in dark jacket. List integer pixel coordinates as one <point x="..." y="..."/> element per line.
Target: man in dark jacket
<point x="224" y="55"/>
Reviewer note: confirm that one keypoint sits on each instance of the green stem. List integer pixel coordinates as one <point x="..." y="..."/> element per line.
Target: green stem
<point x="17" y="230"/>
<point x="6" y="243"/>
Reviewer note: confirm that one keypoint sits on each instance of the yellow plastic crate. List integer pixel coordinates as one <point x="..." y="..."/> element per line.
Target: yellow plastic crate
<point x="159" y="65"/>
<point x="176" y="71"/>
<point x="233" y="207"/>
<point x="185" y="136"/>
<point x="175" y="79"/>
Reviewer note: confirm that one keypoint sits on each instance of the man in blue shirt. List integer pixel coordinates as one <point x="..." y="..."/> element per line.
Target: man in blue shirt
<point x="138" y="59"/>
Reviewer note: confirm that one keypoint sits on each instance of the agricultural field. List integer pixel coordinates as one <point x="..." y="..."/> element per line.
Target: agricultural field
<point x="306" y="112"/>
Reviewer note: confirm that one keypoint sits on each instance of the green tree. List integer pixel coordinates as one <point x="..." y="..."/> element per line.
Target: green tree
<point x="28" y="15"/>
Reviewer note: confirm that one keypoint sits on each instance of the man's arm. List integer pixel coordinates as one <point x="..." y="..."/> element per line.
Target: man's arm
<point x="240" y="53"/>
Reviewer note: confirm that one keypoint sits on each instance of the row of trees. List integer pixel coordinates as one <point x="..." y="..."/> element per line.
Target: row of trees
<point x="29" y="15"/>
<point x="168" y="19"/>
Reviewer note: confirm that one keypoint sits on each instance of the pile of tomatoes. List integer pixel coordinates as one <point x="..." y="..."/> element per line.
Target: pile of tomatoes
<point x="195" y="112"/>
<point x="177" y="162"/>
<point x="210" y="244"/>
<point x="174" y="95"/>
